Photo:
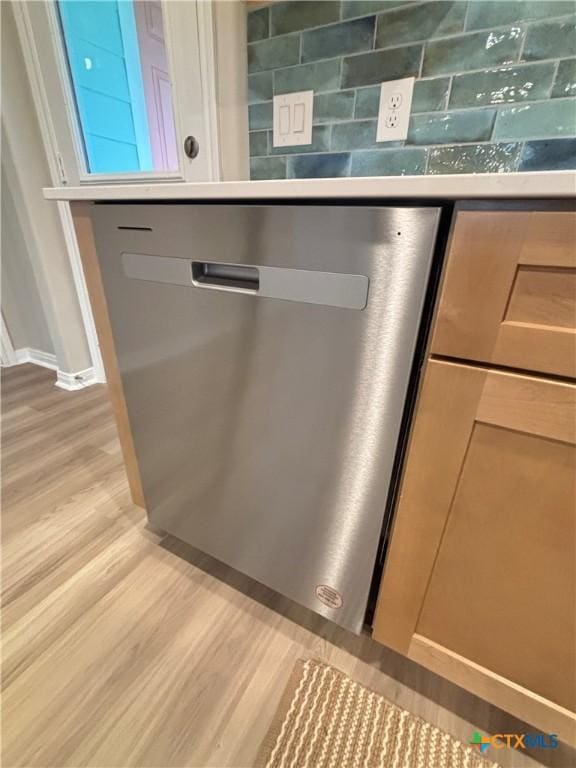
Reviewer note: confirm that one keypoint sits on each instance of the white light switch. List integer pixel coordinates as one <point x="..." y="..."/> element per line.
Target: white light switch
<point x="299" y="117"/>
<point x="394" y="112"/>
<point x="293" y="119"/>
<point x="284" y="120"/>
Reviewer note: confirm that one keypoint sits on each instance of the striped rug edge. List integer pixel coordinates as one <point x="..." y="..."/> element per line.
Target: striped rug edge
<point x="283" y="711"/>
<point x="280" y="715"/>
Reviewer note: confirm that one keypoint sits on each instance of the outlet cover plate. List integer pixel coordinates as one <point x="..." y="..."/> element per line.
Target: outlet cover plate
<point x="394" y="111"/>
<point x="293" y="119"/>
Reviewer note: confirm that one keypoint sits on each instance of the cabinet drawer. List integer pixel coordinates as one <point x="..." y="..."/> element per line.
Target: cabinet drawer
<point x="509" y="295"/>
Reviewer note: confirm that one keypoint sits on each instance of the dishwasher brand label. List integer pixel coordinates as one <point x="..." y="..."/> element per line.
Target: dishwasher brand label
<point x="329" y="596"/>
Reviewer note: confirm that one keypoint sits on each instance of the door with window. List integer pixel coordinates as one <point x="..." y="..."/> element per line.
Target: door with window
<point x="123" y="81"/>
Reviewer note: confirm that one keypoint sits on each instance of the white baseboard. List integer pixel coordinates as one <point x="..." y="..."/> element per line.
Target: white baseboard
<point x="78" y="380"/>
<point x="64" y="380"/>
<point x="36" y="356"/>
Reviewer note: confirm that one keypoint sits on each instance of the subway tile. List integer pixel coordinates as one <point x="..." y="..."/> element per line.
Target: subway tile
<point x="326" y="166"/>
<point x="541" y="120"/>
<point x="565" y="83"/>
<point x="260" y="87"/>
<point x="351" y="8"/>
<point x="548" y="155"/>
<point x="258" y="143"/>
<point x="333" y="106"/>
<point x="338" y="39"/>
<point x="320" y="143"/>
<point x="258" y="25"/>
<point x="552" y="40"/>
<point x="430" y="95"/>
<point x="367" y="102"/>
<point x="494" y="13"/>
<point x="500" y="86"/>
<point x="293" y="16"/>
<point x="389" y="162"/>
<point x="321" y="76"/>
<point x="474" y="158"/>
<point x="451" y="127"/>
<point x="370" y="68"/>
<point x="260" y="116"/>
<point x="267" y="168"/>
<point x="475" y="51"/>
<point x="277" y="52"/>
<point x="358" y="134"/>
<point x="478" y="68"/>
<point x="420" y="22"/>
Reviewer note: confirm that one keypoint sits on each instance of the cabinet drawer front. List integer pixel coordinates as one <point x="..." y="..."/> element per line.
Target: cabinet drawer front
<point x="509" y="294"/>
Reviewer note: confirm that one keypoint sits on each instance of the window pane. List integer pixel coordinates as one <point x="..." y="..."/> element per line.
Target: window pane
<point x="119" y="72"/>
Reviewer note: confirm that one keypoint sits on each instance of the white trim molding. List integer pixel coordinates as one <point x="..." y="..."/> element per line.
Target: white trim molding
<point x="36" y="357"/>
<point x="78" y="380"/>
<point x="64" y="380"/>
<point x="8" y="356"/>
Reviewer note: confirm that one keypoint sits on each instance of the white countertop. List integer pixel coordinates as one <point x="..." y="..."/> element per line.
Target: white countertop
<point x="541" y="184"/>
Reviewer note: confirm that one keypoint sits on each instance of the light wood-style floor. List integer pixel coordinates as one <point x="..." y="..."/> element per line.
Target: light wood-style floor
<point x="124" y="648"/>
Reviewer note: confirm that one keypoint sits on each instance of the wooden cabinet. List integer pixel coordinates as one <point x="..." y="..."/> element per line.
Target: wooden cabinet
<point x="510" y="291"/>
<point x="480" y="577"/>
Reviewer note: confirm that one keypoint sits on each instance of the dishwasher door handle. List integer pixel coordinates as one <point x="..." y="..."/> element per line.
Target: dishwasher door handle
<point x="215" y="274"/>
<point x="307" y="286"/>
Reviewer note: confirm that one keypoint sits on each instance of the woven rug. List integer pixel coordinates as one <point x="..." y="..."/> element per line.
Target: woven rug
<point x="326" y="720"/>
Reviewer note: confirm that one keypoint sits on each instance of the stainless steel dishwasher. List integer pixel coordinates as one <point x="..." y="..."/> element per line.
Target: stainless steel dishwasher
<point x="265" y="353"/>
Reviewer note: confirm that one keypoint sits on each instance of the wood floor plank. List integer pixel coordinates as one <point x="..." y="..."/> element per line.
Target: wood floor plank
<point x="124" y="648"/>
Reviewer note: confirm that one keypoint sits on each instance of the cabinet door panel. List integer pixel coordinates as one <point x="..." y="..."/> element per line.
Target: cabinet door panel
<point x="502" y="589"/>
<point x="509" y="295"/>
<point x="481" y="559"/>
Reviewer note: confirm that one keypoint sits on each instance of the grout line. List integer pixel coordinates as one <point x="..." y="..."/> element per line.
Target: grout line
<point x="349" y="164"/>
<point x="269" y="14"/>
<point x="556" y="71"/>
<point x="449" y="94"/>
<point x="519" y="156"/>
<point x="421" y="65"/>
<point x="493" y="126"/>
<point x="522" y="43"/>
<point x="466" y="13"/>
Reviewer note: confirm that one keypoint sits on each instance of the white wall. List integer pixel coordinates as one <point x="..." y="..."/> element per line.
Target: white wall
<point x="25" y="171"/>
<point x="21" y="303"/>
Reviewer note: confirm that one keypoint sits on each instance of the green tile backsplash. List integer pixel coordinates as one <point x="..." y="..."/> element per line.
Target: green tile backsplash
<point x="495" y="89"/>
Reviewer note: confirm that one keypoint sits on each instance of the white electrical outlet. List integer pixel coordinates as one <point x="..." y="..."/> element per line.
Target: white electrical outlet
<point x="394" y="112"/>
<point x="292" y="119"/>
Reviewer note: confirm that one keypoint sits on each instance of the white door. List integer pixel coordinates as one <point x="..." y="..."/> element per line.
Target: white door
<point x="157" y="85"/>
<point x="123" y="84"/>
